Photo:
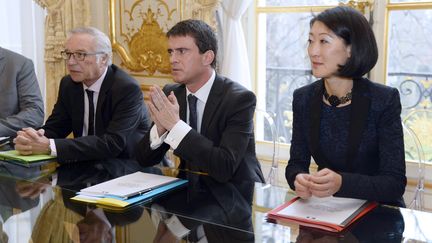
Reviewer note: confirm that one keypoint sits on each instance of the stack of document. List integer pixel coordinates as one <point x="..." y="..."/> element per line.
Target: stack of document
<point x="13" y="156"/>
<point x="330" y="213"/>
<point x="32" y="173"/>
<point x="122" y="192"/>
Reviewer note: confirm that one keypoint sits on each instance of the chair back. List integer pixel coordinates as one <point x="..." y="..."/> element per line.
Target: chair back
<point x="414" y="153"/>
<point x="266" y="120"/>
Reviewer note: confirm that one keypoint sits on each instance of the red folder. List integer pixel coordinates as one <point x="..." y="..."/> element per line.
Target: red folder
<point x="310" y="221"/>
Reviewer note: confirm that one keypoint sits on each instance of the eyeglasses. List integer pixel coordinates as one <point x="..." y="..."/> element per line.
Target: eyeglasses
<point x="78" y="56"/>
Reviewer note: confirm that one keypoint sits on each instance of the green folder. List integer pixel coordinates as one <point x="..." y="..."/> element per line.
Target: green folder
<point x="26" y="160"/>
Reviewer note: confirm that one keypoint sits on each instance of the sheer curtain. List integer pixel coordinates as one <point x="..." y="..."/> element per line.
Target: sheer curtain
<point x="22" y="26"/>
<point x="234" y="63"/>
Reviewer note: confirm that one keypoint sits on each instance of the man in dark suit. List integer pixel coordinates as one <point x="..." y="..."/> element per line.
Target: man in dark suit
<point x="20" y="96"/>
<point x="215" y="136"/>
<point x="98" y="102"/>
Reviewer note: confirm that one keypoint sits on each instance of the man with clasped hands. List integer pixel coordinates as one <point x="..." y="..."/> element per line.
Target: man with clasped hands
<point x="98" y="102"/>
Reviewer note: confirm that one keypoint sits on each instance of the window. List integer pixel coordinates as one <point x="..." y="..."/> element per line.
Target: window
<point x="409" y="67"/>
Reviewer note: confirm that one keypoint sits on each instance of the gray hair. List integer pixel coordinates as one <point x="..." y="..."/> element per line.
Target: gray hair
<point x="103" y="43"/>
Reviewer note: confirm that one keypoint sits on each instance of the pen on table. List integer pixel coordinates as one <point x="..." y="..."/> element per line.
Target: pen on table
<point x="133" y="194"/>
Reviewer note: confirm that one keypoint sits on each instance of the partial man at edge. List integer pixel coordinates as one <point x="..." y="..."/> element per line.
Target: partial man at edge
<point x="20" y="96"/>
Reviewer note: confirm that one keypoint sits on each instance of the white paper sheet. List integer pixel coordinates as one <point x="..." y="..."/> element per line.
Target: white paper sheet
<point x="128" y="185"/>
<point x="333" y="210"/>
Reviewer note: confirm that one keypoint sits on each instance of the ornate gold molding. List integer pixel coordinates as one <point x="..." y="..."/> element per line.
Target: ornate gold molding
<point x="200" y="9"/>
<point x="363" y="6"/>
<point x="138" y="28"/>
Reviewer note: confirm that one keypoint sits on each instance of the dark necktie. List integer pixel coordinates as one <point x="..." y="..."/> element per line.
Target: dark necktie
<point x="90" y="113"/>
<point x="193" y="117"/>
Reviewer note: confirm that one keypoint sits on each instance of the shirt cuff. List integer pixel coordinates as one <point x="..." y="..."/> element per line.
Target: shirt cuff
<point x="176" y="227"/>
<point x="54" y="179"/>
<point x="53" y="147"/>
<point x="177" y="133"/>
<point x="155" y="140"/>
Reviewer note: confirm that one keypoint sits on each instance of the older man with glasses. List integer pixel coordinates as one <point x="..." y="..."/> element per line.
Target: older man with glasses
<point x="98" y="102"/>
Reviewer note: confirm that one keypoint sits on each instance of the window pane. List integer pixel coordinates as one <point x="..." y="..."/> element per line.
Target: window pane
<point x="283" y="66"/>
<point x="295" y="3"/>
<point x="409" y="69"/>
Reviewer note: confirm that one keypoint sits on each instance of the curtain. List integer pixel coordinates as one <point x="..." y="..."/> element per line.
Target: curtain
<point x="22" y="24"/>
<point x="234" y="63"/>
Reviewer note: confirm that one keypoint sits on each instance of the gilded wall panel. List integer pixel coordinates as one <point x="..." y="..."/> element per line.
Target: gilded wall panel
<point x="138" y="28"/>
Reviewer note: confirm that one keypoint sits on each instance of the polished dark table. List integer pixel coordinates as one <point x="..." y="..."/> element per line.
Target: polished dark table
<point x="36" y="207"/>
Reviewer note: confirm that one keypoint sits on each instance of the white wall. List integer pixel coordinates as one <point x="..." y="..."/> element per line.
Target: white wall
<point x="22" y="27"/>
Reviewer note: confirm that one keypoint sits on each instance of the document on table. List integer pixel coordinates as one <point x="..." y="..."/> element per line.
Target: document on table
<point x="129" y="185"/>
<point x="330" y="213"/>
<point x="334" y="210"/>
<point x="123" y="192"/>
<point x="26" y="160"/>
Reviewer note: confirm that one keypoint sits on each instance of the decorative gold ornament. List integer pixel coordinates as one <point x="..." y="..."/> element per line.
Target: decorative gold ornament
<point x="360" y="5"/>
<point x="148" y="47"/>
<point x="141" y="27"/>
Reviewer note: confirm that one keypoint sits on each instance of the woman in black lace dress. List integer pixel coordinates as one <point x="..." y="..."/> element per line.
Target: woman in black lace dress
<point x="350" y="125"/>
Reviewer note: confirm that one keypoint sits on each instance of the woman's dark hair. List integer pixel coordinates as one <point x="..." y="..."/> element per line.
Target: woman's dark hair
<point x="350" y="25"/>
<point x="202" y="33"/>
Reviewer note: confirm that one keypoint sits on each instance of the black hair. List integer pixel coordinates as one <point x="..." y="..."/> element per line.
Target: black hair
<point x="202" y="33"/>
<point x="350" y="25"/>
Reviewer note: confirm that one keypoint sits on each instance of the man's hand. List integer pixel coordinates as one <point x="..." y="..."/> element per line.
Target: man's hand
<point x="30" y="141"/>
<point x="164" y="235"/>
<point x="325" y="183"/>
<point x="164" y="110"/>
<point x="31" y="189"/>
<point x="94" y="229"/>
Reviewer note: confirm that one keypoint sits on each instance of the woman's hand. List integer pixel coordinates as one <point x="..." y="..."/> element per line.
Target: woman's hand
<point x="302" y="185"/>
<point x="325" y="183"/>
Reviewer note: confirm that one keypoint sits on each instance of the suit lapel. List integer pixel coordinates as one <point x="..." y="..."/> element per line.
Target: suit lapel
<point x="104" y="90"/>
<point x="315" y="121"/>
<point x="359" y="113"/>
<point x="180" y="93"/>
<point x="78" y="97"/>
<point x="214" y="98"/>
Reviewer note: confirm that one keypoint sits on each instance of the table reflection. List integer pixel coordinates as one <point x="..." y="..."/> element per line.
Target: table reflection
<point x="37" y="207"/>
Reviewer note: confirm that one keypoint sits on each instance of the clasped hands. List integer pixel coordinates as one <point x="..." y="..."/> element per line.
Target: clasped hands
<point x="164" y="110"/>
<point x="323" y="183"/>
<point x="29" y="141"/>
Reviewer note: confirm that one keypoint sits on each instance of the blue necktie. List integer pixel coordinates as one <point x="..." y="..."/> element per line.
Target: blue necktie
<point x="193" y="117"/>
<point x="90" y="130"/>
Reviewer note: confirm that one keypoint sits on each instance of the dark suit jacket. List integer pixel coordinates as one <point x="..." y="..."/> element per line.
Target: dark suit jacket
<point x="21" y="103"/>
<point x="375" y="158"/>
<point x="227" y="207"/>
<point x="225" y="148"/>
<point x="120" y="122"/>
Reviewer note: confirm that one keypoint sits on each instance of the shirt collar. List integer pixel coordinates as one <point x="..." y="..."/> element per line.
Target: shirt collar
<point x="203" y="93"/>
<point x="96" y="86"/>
